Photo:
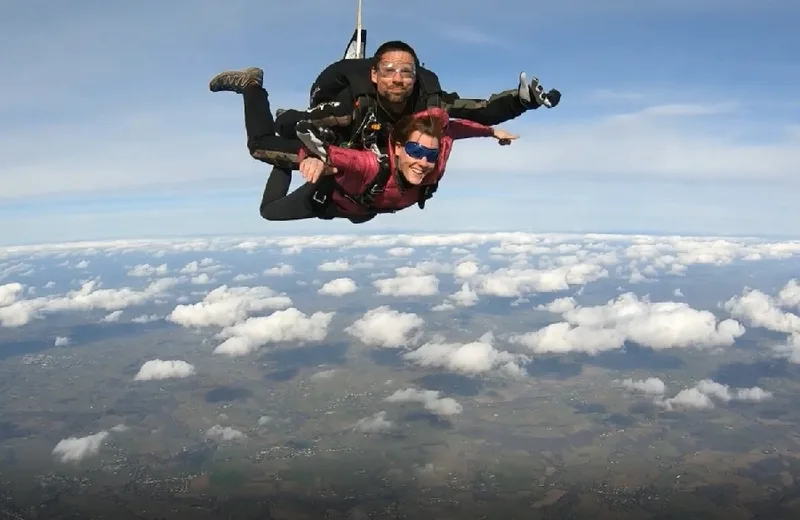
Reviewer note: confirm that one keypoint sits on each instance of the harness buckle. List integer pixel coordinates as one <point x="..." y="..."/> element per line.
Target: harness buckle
<point x="316" y="197"/>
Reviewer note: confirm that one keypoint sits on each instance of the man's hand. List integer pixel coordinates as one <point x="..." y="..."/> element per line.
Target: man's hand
<point x="504" y="138"/>
<point x="533" y="95"/>
<point x="312" y="169"/>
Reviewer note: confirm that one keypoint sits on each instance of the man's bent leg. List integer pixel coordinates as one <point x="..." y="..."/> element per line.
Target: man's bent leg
<point x="262" y="142"/>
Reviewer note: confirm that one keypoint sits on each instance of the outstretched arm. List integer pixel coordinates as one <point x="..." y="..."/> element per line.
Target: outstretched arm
<point x="360" y="164"/>
<point x="464" y="129"/>
<point x="502" y="107"/>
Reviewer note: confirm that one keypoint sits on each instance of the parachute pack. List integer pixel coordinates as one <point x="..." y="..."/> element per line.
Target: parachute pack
<point x="353" y="72"/>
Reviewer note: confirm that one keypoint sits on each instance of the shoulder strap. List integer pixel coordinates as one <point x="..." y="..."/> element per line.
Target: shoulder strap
<point x="373" y="189"/>
<point x="352" y="73"/>
<point x="378" y="184"/>
<point x="434" y="101"/>
<point x="363" y="121"/>
<point x="426" y="193"/>
<point x="428" y="81"/>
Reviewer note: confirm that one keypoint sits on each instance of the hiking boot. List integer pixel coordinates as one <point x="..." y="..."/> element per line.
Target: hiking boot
<point x="236" y="80"/>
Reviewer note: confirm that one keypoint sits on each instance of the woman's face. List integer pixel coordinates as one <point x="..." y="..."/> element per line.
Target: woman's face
<point x="417" y="157"/>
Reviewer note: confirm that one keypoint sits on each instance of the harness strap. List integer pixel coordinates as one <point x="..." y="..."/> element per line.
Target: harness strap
<point x="320" y="198"/>
<point x="377" y="186"/>
<point x="426" y="193"/>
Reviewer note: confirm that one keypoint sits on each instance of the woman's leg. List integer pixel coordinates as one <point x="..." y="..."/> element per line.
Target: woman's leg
<point x="277" y="205"/>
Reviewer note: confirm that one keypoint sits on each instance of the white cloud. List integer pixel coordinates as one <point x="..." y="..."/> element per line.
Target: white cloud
<point x="762" y="310"/>
<point x="337" y="265"/>
<point x="464" y="297"/>
<point x="285" y="325"/>
<point x="205" y="265"/>
<point x="791" y="349"/>
<point x="663" y="252"/>
<point x="754" y="394"/>
<point x="224" y="433"/>
<point x="415" y="285"/>
<point x="279" y="270"/>
<point x="112" y="317"/>
<point x="146" y="318"/>
<point x="659" y="325"/>
<point x="423" y="268"/>
<point x="400" y="251"/>
<point x="20" y="269"/>
<point x="704" y="394"/>
<point x="143" y="270"/>
<point x="386" y="327"/>
<point x="339" y="287"/>
<point x="559" y="305"/>
<point x="9" y="293"/>
<point x="201" y="279"/>
<point x="514" y="282"/>
<point x="323" y="374"/>
<point x="688" y="398"/>
<point x="88" y="297"/>
<point x="157" y="369"/>
<point x="430" y="399"/>
<point x="75" y="449"/>
<point x="466" y="270"/>
<point x="374" y="424"/>
<point x="473" y="358"/>
<point x="61" y="341"/>
<point x="789" y="295"/>
<point x="225" y="306"/>
<point x="651" y="385"/>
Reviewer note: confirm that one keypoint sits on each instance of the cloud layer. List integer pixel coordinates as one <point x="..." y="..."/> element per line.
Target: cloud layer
<point x="473" y="305"/>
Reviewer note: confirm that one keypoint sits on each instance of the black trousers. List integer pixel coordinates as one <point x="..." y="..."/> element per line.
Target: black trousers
<point x="262" y="140"/>
<point x="277" y="203"/>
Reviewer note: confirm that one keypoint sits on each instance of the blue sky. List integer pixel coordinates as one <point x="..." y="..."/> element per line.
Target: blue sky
<point x="677" y="117"/>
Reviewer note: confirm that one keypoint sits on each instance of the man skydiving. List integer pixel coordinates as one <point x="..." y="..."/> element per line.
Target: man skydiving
<point x="359" y="101"/>
<point x="356" y="103"/>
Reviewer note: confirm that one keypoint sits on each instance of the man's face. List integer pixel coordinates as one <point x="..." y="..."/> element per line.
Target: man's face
<point x="394" y="76"/>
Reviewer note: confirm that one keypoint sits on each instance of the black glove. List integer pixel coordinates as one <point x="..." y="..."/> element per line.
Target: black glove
<point x="554" y="96"/>
<point x="533" y="95"/>
<point x="313" y="138"/>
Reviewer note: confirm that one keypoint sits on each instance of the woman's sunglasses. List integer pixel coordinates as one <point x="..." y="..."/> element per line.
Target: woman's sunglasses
<point x="419" y="152"/>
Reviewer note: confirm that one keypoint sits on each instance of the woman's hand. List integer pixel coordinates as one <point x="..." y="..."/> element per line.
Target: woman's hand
<point x="312" y="169"/>
<point x="503" y="137"/>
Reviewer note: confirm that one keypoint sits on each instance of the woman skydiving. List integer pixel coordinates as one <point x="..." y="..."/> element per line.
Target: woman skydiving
<point x="358" y="184"/>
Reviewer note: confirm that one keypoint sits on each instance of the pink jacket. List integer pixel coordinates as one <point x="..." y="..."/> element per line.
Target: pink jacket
<point x="357" y="169"/>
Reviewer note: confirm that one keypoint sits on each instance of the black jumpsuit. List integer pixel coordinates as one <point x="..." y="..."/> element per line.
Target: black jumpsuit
<point x="275" y="143"/>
